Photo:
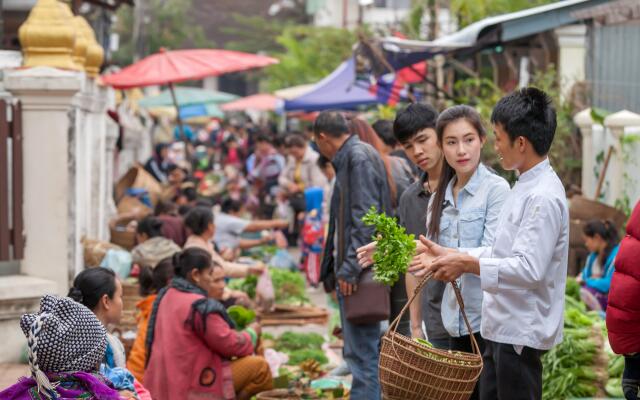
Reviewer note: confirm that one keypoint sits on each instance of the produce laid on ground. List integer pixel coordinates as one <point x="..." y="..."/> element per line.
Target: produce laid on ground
<point x="394" y="247"/>
<point x="302" y="376"/>
<point x="289" y="286"/>
<point x="579" y="366"/>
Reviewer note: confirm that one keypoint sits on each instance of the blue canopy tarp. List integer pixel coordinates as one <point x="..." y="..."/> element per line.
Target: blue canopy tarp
<point x="340" y="90"/>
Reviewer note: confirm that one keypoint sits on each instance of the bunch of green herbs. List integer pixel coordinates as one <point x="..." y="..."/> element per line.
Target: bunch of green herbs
<point x="394" y="247"/>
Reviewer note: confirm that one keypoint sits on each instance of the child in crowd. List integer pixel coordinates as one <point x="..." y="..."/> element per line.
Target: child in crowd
<point x="66" y="343"/>
<point x="100" y="290"/>
<point x="151" y="282"/>
<point x="191" y="339"/>
<point x="601" y="239"/>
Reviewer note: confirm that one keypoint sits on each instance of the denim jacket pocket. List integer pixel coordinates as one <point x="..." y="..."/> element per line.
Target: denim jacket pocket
<point x="472" y="227"/>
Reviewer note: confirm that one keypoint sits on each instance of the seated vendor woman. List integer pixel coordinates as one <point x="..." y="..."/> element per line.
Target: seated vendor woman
<point x="601" y="239"/>
<point x="193" y="350"/>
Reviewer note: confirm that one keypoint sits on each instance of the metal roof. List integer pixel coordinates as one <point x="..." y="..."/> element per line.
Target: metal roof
<point x="506" y="27"/>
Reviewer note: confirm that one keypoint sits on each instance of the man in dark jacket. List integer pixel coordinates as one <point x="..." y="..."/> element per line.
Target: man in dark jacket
<point x="360" y="183"/>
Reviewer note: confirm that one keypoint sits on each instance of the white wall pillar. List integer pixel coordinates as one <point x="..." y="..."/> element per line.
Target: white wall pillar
<point x="585" y="123"/>
<point x="616" y="123"/>
<point x="46" y="94"/>
<point x="571" y="56"/>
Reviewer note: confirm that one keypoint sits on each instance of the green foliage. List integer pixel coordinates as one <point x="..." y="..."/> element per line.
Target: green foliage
<point x="599" y="114"/>
<point x="247" y="285"/>
<point x="472" y="11"/>
<point x="254" y="33"/>
<point x="573" y="288"/>
<point x="169" y="27"/>
<point x="290" y="341"/>
<point x="301" y="347"/>
<point x="311" y="53"/>
<point x="394" y="248"/>
<point x="565" y="153"/>
<point x="241" y="316"/>
<point x="289" y="286"/>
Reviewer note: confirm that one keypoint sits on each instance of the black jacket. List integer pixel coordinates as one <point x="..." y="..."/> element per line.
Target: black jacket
<point x="361" y="182"/>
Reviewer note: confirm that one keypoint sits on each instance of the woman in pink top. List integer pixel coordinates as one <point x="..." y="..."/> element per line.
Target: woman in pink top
<point x="191" y="339"/>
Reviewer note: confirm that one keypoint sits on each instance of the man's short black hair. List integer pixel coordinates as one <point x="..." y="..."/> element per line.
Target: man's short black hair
<point x="263" y="137"/>
<point x="527" y="112"/>
<point x="412" y="119"/>
<point x="384" y="129"/>
<point x="332" y="123"/>
<point x="323" y="162"/>
<point x="230" y="205"/>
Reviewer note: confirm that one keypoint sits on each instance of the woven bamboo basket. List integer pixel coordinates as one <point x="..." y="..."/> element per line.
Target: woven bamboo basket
<point x="409" y="370"/>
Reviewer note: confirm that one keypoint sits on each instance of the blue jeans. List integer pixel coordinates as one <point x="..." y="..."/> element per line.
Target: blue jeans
<point x="361" y="352"/>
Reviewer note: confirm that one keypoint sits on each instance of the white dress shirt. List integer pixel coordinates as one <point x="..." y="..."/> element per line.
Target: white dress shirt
<point x="523" y="275"/>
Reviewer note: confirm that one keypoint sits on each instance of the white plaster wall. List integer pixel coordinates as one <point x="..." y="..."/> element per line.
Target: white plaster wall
<point x="571" y="56"/>
<point x="630" y="166"/>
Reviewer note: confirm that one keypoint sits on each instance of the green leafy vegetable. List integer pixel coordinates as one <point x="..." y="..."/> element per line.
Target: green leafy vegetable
<point x="247" y="285"/>
<point x="614" y="388"/>
<point x="572" y="289"/>
<point x="241" y="316"/>
<point x="394" y="247"/>
<point x="290" y="341"/>
<point x="289" y="286"/>
<point x="299" y="356"/>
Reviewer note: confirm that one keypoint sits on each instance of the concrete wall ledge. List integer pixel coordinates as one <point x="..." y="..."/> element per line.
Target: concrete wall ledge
<point x="19" y="294"/>
<point x="14" y="287"/>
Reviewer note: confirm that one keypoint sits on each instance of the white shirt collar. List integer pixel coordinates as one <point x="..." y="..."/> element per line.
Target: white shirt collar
<point x="534" y="172"/>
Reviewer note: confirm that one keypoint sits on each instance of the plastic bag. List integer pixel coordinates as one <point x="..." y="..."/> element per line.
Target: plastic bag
<point x="119" y="261"/>
<point x="265" y="295"/>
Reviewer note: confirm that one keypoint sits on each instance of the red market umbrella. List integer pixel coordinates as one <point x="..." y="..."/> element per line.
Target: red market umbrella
<point x="169" y="67"/>
<point x="257" y="102"/>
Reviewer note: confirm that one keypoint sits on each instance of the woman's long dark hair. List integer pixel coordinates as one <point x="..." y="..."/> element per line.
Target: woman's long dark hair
<point x="91" y="284"/>
<point x="448" y="116"/>
<point x="152" y="280"/>
<point x="190" y="259"/>
<point x="366" y="134"/>
<point x="607" y="231"/>
<point x="150" y="226"/>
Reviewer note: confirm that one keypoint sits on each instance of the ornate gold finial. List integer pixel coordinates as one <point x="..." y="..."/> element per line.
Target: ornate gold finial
<point x="95" y="53"/>
<point x="48" y="37"/>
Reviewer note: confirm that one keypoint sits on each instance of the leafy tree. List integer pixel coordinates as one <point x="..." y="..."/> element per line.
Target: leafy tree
<point x="311" y="53"/>
<point x="254" y="33"/>
<point x="565" y="152"/>
<point x="168" y="26"/>
<point x="472" y="11"/>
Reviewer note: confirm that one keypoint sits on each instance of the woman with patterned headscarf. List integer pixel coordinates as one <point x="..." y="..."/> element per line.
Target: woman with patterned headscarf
<point x="66" y="343"/>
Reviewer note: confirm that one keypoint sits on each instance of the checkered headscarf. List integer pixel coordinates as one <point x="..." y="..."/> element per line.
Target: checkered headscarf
<point x="64" y="336"/>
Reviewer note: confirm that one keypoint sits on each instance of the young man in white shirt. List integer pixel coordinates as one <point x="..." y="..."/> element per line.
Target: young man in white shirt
<point x="523" y="274"/>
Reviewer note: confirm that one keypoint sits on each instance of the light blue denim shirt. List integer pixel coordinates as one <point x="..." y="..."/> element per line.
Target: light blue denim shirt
<point x="469" y="222"/>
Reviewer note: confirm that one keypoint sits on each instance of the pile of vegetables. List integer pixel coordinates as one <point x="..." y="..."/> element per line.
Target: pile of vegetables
<point x="301" y="347"/>
<point x="394" y="247"/>
<point x="575" y="367"/>
<point x="241" y="316"/>
<point x="289" y="286"/>
<point x="614" y="384"/>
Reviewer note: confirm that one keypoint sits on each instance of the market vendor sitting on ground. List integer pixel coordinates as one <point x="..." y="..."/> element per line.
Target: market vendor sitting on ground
<point x="191" y="339"/>
<point x="230" y="226"/>
<point x="601" y="239"/>
<point x="152" y="245"/>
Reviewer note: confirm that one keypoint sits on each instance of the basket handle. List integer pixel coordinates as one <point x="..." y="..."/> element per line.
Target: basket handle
<point x="474" y="343"/>
<point x="418" y="289"/>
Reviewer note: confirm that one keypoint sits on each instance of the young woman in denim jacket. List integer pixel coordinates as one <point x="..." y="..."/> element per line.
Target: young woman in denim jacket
<point x="463" y="213"/>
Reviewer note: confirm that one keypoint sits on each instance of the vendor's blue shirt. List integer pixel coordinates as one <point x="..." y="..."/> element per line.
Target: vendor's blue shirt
<point x="603" y="283"/>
